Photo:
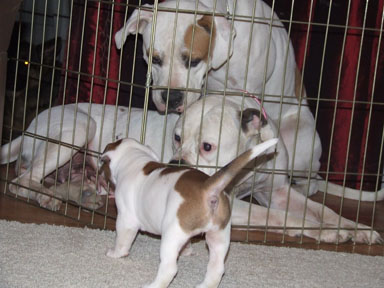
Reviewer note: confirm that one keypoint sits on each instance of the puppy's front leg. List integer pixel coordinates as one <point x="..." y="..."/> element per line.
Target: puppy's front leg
<point x="126" y="232"/>
<point x="218" y="243"/>
<point x="171" y="243"/>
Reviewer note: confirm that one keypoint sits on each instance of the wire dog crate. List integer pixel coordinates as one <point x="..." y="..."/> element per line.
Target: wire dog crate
<point x="64" y="52"/>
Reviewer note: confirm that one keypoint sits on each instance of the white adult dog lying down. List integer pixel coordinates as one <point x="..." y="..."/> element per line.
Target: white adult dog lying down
<point x="175" y="202"/>
<point x="39" y="158"/>
<point x="202" y="144"/>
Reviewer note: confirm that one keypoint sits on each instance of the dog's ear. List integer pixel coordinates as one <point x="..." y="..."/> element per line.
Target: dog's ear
<point x="135" y="24"/>
<point x="252" y="120"/>
<point x="104" y="168"/>
<point x="223" y="38"/>
<point x="254" y="123"/>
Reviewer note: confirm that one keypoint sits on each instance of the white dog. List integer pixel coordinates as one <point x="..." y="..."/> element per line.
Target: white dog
<point x="84" y="126"/>
<point x="188" y="50"/>
<point x="219" y="52"/>
<point x="208" y="144"/>
<point x="175" y="202"/>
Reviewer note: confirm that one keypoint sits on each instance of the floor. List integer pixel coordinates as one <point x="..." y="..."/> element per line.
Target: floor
<point x="22" y="210"/>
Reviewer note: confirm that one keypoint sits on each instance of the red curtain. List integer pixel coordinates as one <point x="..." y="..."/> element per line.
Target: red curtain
<point x="353" y="123"/>
<point x="357" y="83"/>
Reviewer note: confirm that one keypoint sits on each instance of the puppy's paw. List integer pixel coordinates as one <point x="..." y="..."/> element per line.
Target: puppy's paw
<point x="115" y="254"/>
<point x="150" y="286"/>
<point x="203" y="285"/>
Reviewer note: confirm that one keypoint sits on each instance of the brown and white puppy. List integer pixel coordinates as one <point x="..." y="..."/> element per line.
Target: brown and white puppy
<point x="175" y="202"/>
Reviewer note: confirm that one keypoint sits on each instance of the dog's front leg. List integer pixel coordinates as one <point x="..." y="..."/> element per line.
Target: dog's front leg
<point x="126" y="232"/>
<point x="218" y="243"/>
<point x="312" y="210"/>
<point x="296" y="226"/>
<point x="171" y="243"/>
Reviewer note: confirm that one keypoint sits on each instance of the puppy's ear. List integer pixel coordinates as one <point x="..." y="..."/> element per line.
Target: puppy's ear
<point x="135" y="24"/>
<point x="253" y="122"/>
<point x="104" y="168"/>
<point x="223" y="36"/>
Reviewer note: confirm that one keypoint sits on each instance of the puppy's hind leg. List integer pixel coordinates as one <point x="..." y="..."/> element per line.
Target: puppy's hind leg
<point x="171" y="243"/>
<point x="218" y="243"/>
<point x="125" y="235"/>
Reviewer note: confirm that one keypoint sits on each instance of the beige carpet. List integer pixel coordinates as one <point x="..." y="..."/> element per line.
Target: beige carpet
<point x="54" y="256"/>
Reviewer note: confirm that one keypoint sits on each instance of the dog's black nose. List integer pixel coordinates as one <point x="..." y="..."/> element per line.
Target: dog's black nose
<point x="175" y="98"/>
<point x="178" y="162"/>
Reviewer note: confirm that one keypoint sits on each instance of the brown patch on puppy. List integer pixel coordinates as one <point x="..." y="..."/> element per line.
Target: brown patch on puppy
<point x="152" y="166"/>
<point x="105" y="171"/>
<point x="173" y="169"/>
<point x="202" y="35"/>
<point x="195" y="212"/>
<point x="112" y="146"/>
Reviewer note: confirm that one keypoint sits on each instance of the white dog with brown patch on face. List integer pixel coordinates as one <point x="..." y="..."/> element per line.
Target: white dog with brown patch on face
<point x="177" y="203"/>
<point x="190" y="49"/>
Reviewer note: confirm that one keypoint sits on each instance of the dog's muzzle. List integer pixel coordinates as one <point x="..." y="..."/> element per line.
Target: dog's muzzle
<point x="175" y="98"/>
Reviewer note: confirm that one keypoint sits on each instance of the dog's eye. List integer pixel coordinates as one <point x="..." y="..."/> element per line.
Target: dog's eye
<point x="177" y="138"/>
<point x="195" y="62"/>
<point x="156" y="60"/>
<point x="207" y="147"/>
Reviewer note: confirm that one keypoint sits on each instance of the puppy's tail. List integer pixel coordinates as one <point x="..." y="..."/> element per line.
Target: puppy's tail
<point x="9" y="152"/>
<point x="220" y="180"/>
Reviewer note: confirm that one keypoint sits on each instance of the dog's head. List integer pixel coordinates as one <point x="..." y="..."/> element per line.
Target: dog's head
<point x="183" y="48"/>
<point x="212" y="136"/>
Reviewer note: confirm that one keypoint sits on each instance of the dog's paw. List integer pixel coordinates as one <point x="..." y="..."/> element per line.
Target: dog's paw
<point x="152" y="285"/>
<point x="367" y="237"/>
<point x="115" y="254"/>
<point x="203" y="285"/>
<point x="20" y="191"/>
<point x="48" y="202"/>
<point x="334" y="236"/>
